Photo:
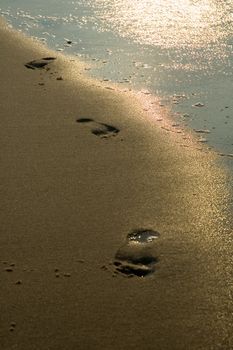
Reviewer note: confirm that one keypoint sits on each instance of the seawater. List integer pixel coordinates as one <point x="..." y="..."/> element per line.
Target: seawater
<point x="180" y="50"/>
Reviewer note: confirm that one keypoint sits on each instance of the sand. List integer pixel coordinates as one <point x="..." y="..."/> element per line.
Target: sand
<point x="81" y="167"/>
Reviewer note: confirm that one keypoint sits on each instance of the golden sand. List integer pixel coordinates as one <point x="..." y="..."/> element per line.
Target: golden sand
<point x="72" y="191"/>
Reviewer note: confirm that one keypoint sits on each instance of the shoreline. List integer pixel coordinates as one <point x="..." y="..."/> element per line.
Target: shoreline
<point x="183" y="109"/>
<point x="187" y="136"/>
<point x="81" y="169"/>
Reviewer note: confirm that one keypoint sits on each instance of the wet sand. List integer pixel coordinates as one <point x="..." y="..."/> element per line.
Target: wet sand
<point x="82" y="167"/>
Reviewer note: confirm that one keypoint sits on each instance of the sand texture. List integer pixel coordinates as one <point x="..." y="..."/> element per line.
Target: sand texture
<point x="113" y="236"/>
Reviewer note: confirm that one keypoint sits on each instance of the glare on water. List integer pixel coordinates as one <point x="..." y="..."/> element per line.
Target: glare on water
<point x="169" y="23"/>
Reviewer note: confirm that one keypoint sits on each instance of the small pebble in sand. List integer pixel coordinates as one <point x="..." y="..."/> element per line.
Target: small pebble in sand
<point x="198" y="104"/>
<point x="202" y="131"/>
<point x="18" y="282"/>
<point x="9" y="269"/>
<point x="59" y="78"/>
<point x="57" y="274"/>
<point x="12" y="326"/>
<point x="202" y="139"/>
<point x="66" y="274"/>
<point x="226" y="155"/>
<point x="179" y="96"/>
<point x="56" y="270"/>
<point x="146" y="92"/>
<point x="165" y="128"/>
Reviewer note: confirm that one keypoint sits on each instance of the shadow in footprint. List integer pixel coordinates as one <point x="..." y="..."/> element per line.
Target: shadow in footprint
<point x="135" y="257"/>
<point x="39" y="64"/>
<point x="99" y="129"/>
<point x="84" y="120"/>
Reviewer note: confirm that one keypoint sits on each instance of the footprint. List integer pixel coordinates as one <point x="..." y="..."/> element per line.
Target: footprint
<point x="142" y="236"/>
<point x="39" y="64"/>
<point x="99" y="129"/>
<point x="135" y="257"/>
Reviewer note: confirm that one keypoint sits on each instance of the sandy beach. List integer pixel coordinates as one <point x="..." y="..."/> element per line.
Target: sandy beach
<point x="85" y="174"/>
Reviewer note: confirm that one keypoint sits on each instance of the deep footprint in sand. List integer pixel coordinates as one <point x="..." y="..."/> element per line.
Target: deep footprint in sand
<point x="136" y="257"/>
<point x="99" y="129"/>
<point x="39" y="64"/>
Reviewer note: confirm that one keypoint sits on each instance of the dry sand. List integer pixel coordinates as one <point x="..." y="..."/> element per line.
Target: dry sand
<point x="69" y="198"/>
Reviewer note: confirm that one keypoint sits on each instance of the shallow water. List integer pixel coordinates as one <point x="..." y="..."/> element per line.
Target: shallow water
<point x="181" y="50"/>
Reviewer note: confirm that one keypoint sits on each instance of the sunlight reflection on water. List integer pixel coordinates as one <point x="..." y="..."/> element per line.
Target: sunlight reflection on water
<point x="169" y="23"/>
